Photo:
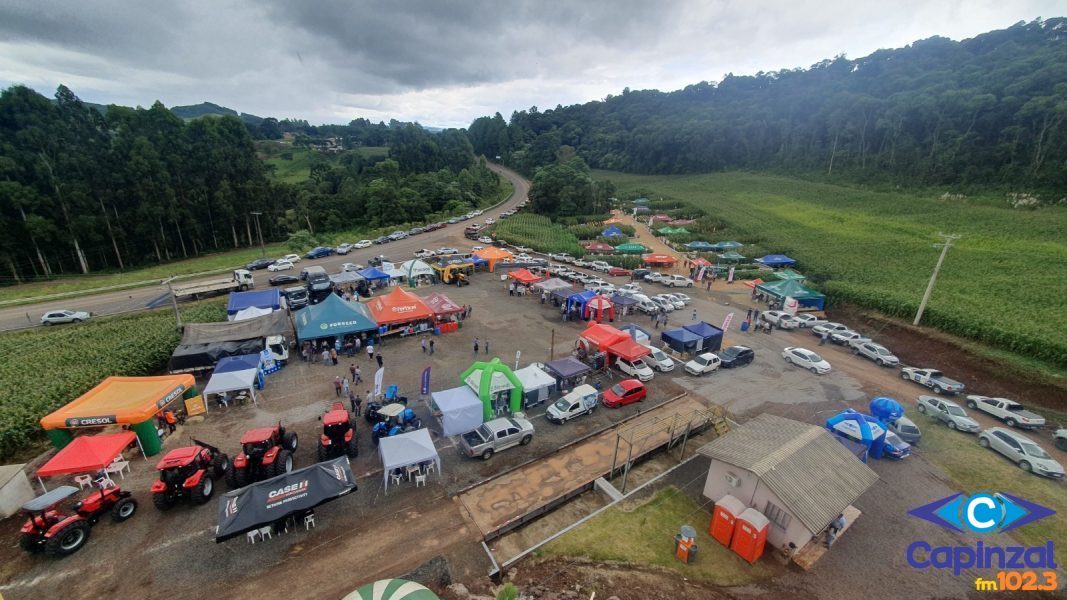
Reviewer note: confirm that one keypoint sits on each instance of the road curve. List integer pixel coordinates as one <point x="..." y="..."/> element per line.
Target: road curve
<point x="136" y="299"/>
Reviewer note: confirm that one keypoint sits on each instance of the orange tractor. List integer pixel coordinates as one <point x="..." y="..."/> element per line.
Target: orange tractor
<point x="188" y="473"/>
<point x="265" y="452"/>
<point x="51" y="531"/>
<point x="338" y="434"/>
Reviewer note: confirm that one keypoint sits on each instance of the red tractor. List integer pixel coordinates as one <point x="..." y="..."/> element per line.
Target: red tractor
<point x="188" y="473"/>
<point x="338" y="434"/>
<point x="265" y="452"/>
<point x="59" y="534"/>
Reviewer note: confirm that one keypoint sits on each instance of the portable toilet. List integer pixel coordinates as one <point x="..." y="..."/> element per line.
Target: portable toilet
<point x="750" y="535"/>
<point x="727" y="509"/>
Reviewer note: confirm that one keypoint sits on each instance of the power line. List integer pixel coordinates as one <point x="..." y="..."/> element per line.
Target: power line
<point x="945" y="245"/>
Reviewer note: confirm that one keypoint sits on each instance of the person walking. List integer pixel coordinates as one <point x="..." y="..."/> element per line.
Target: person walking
<point x="424" y="345"/>
<point x="378" y="357"/>
<point x="325" y="357"/>
<point x="748" y="315"/>
<point x="352" y="371"/>
<point x="346" y="389"/>
<point x="358" y="344"/>
<point x="822" y="338"/>
<point x="370" y="350"/>
<point x="353" y="399"/>
<point x="694" y="314"/>
<point x="337" y="385"/>
<point x="431" y="346"/>
<point x="470" y="311"/>
<point x="357" y="377"/>
<point x="835" y="529"/>
<point x="476" y="346"/>
<point x="487" y="345"/>
<point x="333" y="356"/>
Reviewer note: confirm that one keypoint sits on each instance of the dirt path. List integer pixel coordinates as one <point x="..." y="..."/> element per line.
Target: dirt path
<point x="656" y="245"/>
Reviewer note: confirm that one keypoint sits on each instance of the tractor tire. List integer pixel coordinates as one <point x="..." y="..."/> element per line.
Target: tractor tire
<point x="290" y="441"/>
<point x="123" y="509"/>
<point x="202" y="492"/>
<point x="29" y="543"/>
<point x="162" y="502"/>
<point x="323" y="453"/>
<point x="283" y="463"/>
<point x="237" y="477"/>
<point x="68" y="540"/>
<point x="353" y="448"/>
<point x="220" y="465"/>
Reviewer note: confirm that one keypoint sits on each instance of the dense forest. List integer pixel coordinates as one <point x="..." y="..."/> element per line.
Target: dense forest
<point x="84" y="189"/>
<point x="987" y="111"/>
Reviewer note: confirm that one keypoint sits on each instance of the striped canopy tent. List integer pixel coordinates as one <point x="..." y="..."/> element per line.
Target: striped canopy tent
<point x="672" y="230"/>
<point x="664" y="218"/>
<point x="631" y="248"/>
<point x="732" y="256"/>
<point x="392" y="589"/>
<point x="678" y="222"/>
<point x="599" y="248"/>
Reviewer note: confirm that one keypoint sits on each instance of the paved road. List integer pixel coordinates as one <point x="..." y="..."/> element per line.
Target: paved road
<point x="135" y="299"/>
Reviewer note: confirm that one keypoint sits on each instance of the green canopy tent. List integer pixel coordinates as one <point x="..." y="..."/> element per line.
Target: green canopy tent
<point x="731" y="256"/>
<point x="789" y="274"/>
<point x="791" y="288"/>
<point x="491" y="378"/>
<point x="730" y="245"/>
<point x="672" y="230"/>
<point x="631" y="248"/>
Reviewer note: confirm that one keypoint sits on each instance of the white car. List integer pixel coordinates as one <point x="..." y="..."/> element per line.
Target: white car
<point x="600" y="287"/>
<point x="636" y="368"/>
<point x="807" y="320"/>
<point x="424" y="253"/>
<point x="446" y="251"/>
<point x="490" y="221"/>
<point x="293" y="258"/>
<point x="581" y="263"/>
<point x="477" y="213"/>
<point x="630" y="289"/>
<point x="876" y="352"/>
<point x="780" y="318"/>
<point x="1022" y="451"/>
<point x="281" y="265"/>
<point x="842" y="338"/>
<point x="351" y="267"/>
<point x="523" y="249"/>
<point x="344" y="248"/>
<point x="677" y="304"/>
<point x="680" y="296"/>
<point x="828" y="327"/>
<point x="599" y="265"/>
<point x="677" y="281"/>
<point x="55" y="317"/>
<point x="477" y="248"/>
<point x="663" y="303"/>
<point x="806" y="359"/>
<point x="566" y="258"/>
<point x="485" y="239"/>
<point x="703" y="364"/>
<point x="523" y="257"/>
<point x="655" y="277"/>
<point x="659" y="359"/>
<point x="364" y="244"/>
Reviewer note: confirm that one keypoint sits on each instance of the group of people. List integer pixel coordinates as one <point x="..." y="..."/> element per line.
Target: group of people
<point x="329" y="350"/>
<point x="344" y="389"/>
<point x="518" y="289"/>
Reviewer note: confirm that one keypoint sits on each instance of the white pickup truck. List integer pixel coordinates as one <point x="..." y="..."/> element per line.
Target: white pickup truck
<point x="1012" y="413"/>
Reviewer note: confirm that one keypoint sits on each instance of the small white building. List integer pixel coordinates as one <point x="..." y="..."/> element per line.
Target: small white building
<point x="15" y="489"/>
<point x="796" y="474"/>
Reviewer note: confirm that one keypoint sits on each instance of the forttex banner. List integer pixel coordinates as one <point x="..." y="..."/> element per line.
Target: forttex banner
<point x="274" y="499"/>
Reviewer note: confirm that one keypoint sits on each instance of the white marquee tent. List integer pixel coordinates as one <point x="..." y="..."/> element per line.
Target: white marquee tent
<point x="250" y="313"/>
<point x="406" y="449"/>
<point x="233" y="374"/>
<point x="460" y="408"/>
<point x="537" y="385"/>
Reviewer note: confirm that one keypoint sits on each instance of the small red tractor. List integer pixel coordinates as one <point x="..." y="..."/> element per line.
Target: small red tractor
<point x="59" y="534"/>
<point x="265" y="452"/>
<point x="188" y="473"/>
<point x="338" y="434"/>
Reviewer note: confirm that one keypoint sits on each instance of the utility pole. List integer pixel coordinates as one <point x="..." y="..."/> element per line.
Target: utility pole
<point x="174" y="302"/>
<point x="262" y="248"/>
<point x="945" y="245"/>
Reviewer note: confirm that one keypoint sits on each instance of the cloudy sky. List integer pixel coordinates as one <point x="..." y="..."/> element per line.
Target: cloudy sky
<point x="445" y="62"/>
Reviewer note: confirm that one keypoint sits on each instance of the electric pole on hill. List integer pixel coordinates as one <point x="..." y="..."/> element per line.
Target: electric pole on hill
<point x="262" y="248"/>
<point x="945" y="245"/>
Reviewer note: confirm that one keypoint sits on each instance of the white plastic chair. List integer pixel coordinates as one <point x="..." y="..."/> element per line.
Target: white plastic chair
<point x="397" y="478"/>
<point x="264" y="533"/>
<point x="309" y="521"/>
<point x="84" y="481"/>
<point x="429" y="467"/>
<point x="252" y="536"/>
<point x="420" y="480"/>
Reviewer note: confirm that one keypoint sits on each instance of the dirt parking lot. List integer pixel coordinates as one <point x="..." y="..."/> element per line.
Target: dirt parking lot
<point x="369" y="534"/>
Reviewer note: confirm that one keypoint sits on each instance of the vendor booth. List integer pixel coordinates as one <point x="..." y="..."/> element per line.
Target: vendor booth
<point x="493" y="255"/>
<point x="496" y="385"/>
<point x="374" y="275"/>
<point x="524" y="276"/>
<point x="637" y="333"/>
<point x="599" y="248"/>
<point x="331" y="318"/>
<point x="537" y="385"/>
<point x="576" y="302"/>
<point x="283" y="500"/>
<point x="411" y="449"/>
<point x="623" y="304"/>
<point x="459" y="410"/>
<point x="560" y="295"/>
<point x="251" y="312"/>
<point x="710" y="335"/>
<point x="568" y="371"/>
<point x="268" y="299"/>
<point x="399" y="307"/>
<point x="133" y="401"/>
<point x="598" y="337"/>
<point x="699" y="246"/>
<point x="631" y="248"/>
<point x="791" y="288"/>
<point x="789" y="274"/>
<point x="346" y="278"/>
<point x="87" y="454"/>
<point x="598" y="307"/>
<point x="659" y="260"/>
<point x="682" y="340"/>
<point x="235" y="374"/>
<point x="551" y="285"/>
<point x="612" y="231"/>
<point x="416" y="271"/>
<point x="445" y="311"/>
<point x="775" y="260"/>
<point x="628" y="349"/>
<point x="730" y="245"/>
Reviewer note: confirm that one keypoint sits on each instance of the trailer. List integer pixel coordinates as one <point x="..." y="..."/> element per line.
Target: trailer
<point x="239" y="281"/>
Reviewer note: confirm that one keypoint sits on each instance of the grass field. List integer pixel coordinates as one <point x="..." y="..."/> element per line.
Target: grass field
<point x="299" y="167"/>
<point x="1002" y="284"/>
<point x="645" y="536"/>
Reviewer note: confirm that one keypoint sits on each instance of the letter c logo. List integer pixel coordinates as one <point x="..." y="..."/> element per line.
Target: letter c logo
<point x="983" y="513"/>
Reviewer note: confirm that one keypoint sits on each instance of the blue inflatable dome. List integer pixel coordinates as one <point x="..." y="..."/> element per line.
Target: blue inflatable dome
<point x="886" y="409"/>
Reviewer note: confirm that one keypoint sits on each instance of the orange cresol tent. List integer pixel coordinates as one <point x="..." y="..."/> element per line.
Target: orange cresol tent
<point x="132" y="401"/>
<point x="524" y="276"/>
<point x="398" y="306"/>
<point x="659" y="259"/>
<point x="493" y="255"/>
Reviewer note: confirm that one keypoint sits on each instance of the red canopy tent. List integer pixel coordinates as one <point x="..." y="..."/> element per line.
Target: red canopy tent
<point x="700" y="262"/>
<point x="86" y="454"/>
<point x="442" y="305"/>
<point x="597" y="306"/>
<point x="752" y="283"/>
<point x="659" y="259"/>
<point x="599" y="248"/>
<point x="398" y="306"/>
<point x="600" y="337"/>
<point x="524" y="276"/>
<point x="629" y="349"/>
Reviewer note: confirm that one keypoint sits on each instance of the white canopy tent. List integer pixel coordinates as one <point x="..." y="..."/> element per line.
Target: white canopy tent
<point x="406" y="449"/>
<point x="232" y="381"/>
<point x="550" y="285"/>
<point x="416" y="267"/>
<point x="250" y="313"/>
<point x="460" y="408"/>
<point x="537" y="386"/>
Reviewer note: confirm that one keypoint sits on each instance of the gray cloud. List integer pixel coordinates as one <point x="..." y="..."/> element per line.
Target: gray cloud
<point x="442" y="62"/>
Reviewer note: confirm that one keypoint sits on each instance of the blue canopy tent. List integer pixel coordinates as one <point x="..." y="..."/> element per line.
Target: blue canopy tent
<point x="478" y="261"/>
<point x="612" y="231"/>
<point x="850" y="424"/>
<point x="682" y="340"/>
<point x="579" y="299"/>
<point x="776" y="260"/>
<point x="239" y="301"/>
<point x="699" y="246"/>
<point x="244" y="362"/>
<point x="333" y="317"/>
<point x="886" y="409"/>
<point x="566" y="371"/>
<point x="710" y="334"/>
<point x="374" y="274"/>
<point x="620" y="300"/>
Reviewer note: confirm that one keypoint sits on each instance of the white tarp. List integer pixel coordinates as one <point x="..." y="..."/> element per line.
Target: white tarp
<point x="537" y="385"/>
<point x="461" y="410"/>
<point x="550" y="285"/>
<point x="250" y="313"/>
<point x="406" y="449"/>
<point x="232" y="381"/>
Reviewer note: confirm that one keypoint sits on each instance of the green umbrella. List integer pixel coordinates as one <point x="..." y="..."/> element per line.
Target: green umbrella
<point x="392" y="589"/>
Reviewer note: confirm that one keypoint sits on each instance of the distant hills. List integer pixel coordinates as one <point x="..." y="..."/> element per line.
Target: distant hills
<point x="208" y="109"/>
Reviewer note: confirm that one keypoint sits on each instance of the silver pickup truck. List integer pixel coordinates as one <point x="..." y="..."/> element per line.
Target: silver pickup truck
<point x="1012" y="413"/>
<point x="498" y="434"/>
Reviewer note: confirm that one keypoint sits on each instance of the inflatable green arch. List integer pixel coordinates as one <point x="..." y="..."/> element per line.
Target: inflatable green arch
<point x="485" y="383"/>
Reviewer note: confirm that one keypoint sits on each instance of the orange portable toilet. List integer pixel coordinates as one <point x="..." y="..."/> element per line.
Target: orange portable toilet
<point x="727" y="509"/>
<point x="750" y="535"/>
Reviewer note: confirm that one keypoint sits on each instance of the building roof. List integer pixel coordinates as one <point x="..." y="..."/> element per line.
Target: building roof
<point x="813" y="475"/>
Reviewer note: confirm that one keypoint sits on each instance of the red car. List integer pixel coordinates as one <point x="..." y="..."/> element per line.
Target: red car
<point x="625" y="392"/>
<point x="619" y="271"/>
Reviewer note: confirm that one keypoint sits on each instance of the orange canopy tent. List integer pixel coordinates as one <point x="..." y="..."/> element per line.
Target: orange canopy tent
<point x="629" y="349"/>
<point x="86" y="454"/>
<point x="398" y="306"/>
<point x="601" y="336"/>
<point x="524" y="276"/>
<point x="493" y="255"/>
<point x="659" y="259"/>
<point x="752" y="283"/>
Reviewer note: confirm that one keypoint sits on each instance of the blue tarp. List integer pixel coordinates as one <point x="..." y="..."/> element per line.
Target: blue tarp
<point x="776" y="260"/>
<point x="710" y="334"/>
<point x="373" y="274"/>
<point x="243" y="362"/>
<point x="620" y="300"/>
<point x="579" y="299"/>
<point x="612" y="231"/>
<point x="700" y="246"/>
<point x="565" y="368"/>
<point x="333" y="317"/>
<point x="239" y="301"/>
<point x="682" y="340"/>
<point x="478" y="261"/>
